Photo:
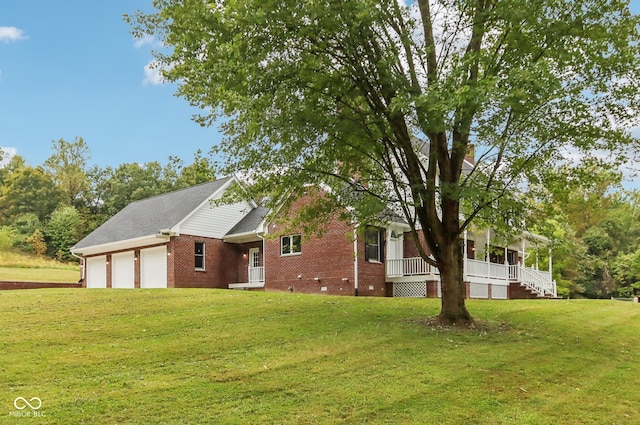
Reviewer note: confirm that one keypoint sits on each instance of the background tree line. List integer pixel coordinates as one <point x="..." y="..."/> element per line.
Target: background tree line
<point x="46" y="209"/>
<point x="596" y="239"/>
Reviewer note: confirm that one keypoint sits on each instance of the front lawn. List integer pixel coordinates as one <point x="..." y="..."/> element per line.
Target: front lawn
<point x="20" y="267"/>
<point x="234" y="357"/>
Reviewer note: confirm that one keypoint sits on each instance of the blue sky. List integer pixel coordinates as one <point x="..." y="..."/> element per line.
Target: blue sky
<point x="72" y="69"/>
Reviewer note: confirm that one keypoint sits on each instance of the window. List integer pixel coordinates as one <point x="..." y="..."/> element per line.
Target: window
<point x="373" y="240"/>
<point x="199" y="255"/>
<point x="290" y="244"/>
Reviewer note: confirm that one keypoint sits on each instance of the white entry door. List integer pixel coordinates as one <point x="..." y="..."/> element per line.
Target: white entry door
<point x="256" y="271"/>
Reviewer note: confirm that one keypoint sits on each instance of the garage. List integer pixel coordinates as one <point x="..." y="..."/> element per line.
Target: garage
<point x="96" y="272"/>
<point x="153" y="267"/>
<point x="122" y="270"/>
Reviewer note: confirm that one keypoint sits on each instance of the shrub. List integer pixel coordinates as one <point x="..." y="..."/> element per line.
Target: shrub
<point x="6" y="238"/>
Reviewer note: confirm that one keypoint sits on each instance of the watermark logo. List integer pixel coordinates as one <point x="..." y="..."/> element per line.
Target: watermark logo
<point x="21" y="404"/>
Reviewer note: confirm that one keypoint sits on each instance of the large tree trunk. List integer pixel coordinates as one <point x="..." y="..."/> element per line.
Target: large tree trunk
<point x="454" y="310"/>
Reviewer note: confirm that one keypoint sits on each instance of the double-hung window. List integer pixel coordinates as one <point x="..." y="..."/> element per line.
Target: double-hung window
<point x="199" y="255"/>
<point x="374" y="242"/>
<point x="290" y="244"/>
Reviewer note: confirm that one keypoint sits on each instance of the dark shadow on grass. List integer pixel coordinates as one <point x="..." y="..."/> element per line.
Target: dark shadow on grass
<point x="477" y="326"/>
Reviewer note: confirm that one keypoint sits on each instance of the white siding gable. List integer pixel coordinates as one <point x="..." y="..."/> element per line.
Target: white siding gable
<point x="213" y="221"/>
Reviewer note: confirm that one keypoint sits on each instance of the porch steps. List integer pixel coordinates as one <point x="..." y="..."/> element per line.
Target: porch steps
<point x="521" y="290"/>
<point x="518" y="290"/>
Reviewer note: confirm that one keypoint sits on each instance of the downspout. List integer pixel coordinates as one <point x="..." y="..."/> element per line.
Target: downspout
<point x="355" y="261"/>
<point x="81" y="265"/>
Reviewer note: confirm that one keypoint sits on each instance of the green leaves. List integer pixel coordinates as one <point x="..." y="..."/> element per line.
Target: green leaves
<point x="386" y="100"/>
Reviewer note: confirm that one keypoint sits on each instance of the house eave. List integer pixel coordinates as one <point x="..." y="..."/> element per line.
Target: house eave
<point x="243" y="237"/>
<point x="142" y="241"/>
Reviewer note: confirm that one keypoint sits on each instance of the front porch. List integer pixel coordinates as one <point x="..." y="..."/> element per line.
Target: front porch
<point x="256" y="279"/>
<point x="485" y="278"/>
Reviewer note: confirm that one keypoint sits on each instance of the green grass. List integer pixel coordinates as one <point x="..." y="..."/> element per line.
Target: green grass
<point x="233" y="357"/>
<point x="22" y="267"/>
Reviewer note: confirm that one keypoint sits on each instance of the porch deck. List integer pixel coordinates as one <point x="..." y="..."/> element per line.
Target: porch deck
<point x="256" y="280"/>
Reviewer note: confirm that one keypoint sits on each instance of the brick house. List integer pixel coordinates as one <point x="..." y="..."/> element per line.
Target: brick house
<point x="174" y="240"/>
<point x="183" y="239"/>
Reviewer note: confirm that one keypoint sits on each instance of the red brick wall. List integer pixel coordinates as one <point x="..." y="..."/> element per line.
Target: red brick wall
<point x="221" y="263"/>
<point x="241" y="263"/>
<point x="328" y="257"/>
<point x="136" y="268"/>
<point x="109" y="271"/>
<point x="4" y="285"/>
<point x="371" y="275"/>
<point x="409" y="244"/>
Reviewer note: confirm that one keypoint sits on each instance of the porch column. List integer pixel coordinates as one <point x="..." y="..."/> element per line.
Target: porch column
<point x="464" y="271"/>
<point x="550" y="261"/>
<point x="523" y="251"/>
<point x="486" y="253"/>
<point x="537" y="259"/>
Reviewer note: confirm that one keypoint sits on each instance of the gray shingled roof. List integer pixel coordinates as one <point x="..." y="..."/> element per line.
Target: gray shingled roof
<point x="249" y="222"/>
<point x="148" y="216"/>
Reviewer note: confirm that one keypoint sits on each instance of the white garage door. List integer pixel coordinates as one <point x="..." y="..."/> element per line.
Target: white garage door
<point x="122" y="270"/>
<point x="153" y="267"/>
<point x="96" y="273"/>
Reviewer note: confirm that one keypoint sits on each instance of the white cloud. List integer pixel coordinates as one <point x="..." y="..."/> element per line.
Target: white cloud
<point x="147" y="39"/>
<point x="7" y="154"/>
<point x="152" y="73"/>
<point x="9" y="34"/>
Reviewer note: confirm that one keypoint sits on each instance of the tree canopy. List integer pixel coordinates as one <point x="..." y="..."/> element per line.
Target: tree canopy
<point x="391" y="97"/>
<point x="48" y="208"/>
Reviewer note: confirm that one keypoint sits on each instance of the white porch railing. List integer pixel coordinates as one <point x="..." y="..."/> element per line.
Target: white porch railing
<point x="487" y="270"/>
<point x="409" y="267"/>
<point x="256" y="274"/>
<point x="538" y="281"/>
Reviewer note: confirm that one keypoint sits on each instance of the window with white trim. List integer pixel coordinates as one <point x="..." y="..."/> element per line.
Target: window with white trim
<point x="199" y="255"/>
<point x="290" y="244"/>
<point x="374" y="242"/>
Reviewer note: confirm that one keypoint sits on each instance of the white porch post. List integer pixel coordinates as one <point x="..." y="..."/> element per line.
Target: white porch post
<point x="523" y="251"/>
<point x="550" y="261"/>
<point x="537" y="258"/>
<point x="464" y="271"/>
<point x="486" y="253"/>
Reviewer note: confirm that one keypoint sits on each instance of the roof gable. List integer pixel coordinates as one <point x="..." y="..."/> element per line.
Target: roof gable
<point x="250" y="222"/>
<point x="149" y="216"/>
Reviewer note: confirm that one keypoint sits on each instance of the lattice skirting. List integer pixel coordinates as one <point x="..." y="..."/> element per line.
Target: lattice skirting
<point x="410" y="289"/>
